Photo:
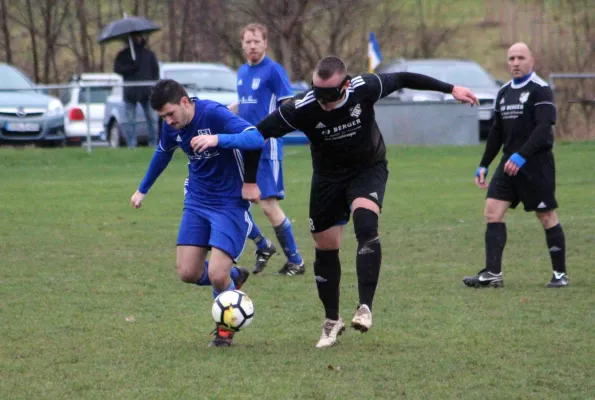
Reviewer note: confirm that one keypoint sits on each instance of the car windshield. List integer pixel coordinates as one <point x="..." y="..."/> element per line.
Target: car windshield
<point x="12" y="79"/>
<point x="204" y="79"/>
<point x="99" y="94"/>
<point x="456" y="74"/>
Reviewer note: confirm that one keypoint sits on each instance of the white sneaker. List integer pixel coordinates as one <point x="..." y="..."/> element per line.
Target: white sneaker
<point x="363" y="319"/>
<point x="330" y="332"/>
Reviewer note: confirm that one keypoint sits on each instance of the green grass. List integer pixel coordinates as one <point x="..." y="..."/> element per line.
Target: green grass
<point x="76" y="260"/>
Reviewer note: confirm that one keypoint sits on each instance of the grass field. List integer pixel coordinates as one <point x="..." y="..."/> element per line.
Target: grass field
<point x="76" y="261"/>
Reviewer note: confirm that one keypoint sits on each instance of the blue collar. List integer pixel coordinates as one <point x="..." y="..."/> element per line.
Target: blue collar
<point x="518" y="81"/>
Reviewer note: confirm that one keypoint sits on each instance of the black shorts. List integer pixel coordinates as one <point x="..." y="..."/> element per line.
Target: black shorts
<point x="534" y="185"/>
<point x="330" y="199"/>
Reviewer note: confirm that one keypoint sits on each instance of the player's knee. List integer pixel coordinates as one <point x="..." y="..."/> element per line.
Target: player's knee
<point x="271" y="208"/>
<point x="187" y="273"/>
<point x="548" y="218"/>
<point x="329" y="239"/>
<point x="219" y="279"/>
<point x="493" y="214"/>
<point x="365" y="223"/>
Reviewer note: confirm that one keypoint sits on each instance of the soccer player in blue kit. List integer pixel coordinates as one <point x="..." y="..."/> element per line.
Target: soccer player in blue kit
<point x="215" y="216"/>
<point x="262" y="86"/>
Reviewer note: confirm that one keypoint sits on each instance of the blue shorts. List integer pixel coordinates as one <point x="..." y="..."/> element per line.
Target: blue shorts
<point x="225" y="229"/>
<point x="270" y="179"/>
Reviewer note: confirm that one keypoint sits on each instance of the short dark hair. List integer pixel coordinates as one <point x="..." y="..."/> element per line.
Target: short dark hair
<point x="167" y="91"/>
<point x="329" y="66"/>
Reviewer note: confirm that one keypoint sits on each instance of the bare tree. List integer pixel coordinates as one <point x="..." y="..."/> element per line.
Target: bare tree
<point x="30" y="25"/>
<point x="172" y="28"/>
<point x="5" y="31"/>
<point x="431" y="35"/>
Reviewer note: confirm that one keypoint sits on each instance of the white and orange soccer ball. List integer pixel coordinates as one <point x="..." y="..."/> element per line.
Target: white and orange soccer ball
<point x="233" y="309"/>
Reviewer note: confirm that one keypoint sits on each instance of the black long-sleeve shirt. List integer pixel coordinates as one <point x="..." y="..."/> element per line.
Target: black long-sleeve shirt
<point x="144" y="68"/>
<point x="525" y="114"/>
<point x="346" y="139"/>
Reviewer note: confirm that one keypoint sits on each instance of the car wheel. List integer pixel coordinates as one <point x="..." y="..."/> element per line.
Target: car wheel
<point x="114" y="135"/>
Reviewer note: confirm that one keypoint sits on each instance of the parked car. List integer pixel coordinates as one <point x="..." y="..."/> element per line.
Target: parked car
<point x="207" y="81"/>
<point x="27" y="115"/>
<point x="96" y="86"/>
<point x="458" y="72"/>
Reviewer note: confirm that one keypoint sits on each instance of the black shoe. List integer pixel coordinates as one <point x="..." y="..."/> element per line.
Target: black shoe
<point x="244" y="274"/>
<point x="558" y="280"/>
<point x="262" y="256"/>
<point x="223" y="337"/>
<point x="484" y="279"/>
<point x="293" y="269"/>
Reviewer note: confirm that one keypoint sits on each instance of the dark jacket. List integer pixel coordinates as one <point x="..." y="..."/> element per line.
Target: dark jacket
<point x="144" y="68"/>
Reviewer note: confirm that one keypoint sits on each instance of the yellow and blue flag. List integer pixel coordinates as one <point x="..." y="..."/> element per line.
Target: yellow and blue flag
<point x="374" y="54"/>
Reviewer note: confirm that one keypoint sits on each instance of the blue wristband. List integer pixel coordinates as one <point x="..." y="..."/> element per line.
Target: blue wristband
<point x="485" y="175"/>
<point x="518" y="159"/>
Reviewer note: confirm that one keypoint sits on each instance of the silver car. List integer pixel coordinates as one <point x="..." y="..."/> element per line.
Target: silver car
<point x="26" y="114"/>
<point x="207" y="81"/>
<point x="457" y="72"/>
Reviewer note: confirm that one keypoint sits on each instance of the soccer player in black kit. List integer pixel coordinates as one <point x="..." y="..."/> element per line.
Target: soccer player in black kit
<point x="349" y="173"/>
<point x="525" y="113"/>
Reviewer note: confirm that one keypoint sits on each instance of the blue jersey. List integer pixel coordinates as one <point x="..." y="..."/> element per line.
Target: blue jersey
<point x="260" y="89"/>
<point x="215" y="176"/>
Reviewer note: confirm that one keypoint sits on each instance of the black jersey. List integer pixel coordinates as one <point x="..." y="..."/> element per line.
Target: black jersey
<point x="346" y="139"/>
<point x="524" y="115"/>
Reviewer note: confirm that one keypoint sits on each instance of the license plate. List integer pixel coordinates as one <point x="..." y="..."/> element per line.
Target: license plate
<point x="485" y="114"/>
<point x="22" y="127"/>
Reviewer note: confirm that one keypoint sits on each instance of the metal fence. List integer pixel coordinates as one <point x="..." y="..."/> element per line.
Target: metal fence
<point x="86" y="87"/>
<point x="575" y="98"/>
<point x="400" y="122"/>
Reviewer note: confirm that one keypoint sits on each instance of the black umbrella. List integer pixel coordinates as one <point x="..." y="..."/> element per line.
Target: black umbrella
<point x="125" y="27"/>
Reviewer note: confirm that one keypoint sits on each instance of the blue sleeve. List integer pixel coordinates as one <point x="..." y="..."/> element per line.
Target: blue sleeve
<point x="233" y="131"/>
<point x="167" y="141"/>
<point x="158" y="163"/>
<point x="250" y="139"/>
<point x="221" y="120"/>
<point x="281" y="86"/>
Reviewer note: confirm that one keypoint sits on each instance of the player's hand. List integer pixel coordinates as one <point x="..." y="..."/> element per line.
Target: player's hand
<point x="251" y="192"/>
<point x="480" y="177"/>
<point x="202" y="142"/>
<point x="137" y="199"/>
<point x="464" y="95"/>
<point x="514" y="164"/>
<point x="234" y="107"/>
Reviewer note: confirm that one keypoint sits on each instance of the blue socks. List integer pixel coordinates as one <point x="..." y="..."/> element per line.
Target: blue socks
<point x="216" y="293"/>
<point x="287" y="241"/>
<point x="205" y="281"/>
<point x="255" y="235"/>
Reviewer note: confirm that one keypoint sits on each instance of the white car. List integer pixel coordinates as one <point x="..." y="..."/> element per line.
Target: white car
<point x="207" y="81"/>
<point x="81" y="114"/>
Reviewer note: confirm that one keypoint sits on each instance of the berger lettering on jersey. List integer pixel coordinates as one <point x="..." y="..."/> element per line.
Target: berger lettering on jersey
<point x="342" y="131"/>
<point x="347" y="125"/>
<point x="514" y="111"/>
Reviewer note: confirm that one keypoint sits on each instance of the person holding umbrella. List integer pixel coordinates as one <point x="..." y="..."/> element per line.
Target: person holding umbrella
<point x="134" y="63"/>
<point x="144" y="67"/>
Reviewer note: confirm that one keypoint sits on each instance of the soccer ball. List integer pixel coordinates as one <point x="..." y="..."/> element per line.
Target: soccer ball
<point x="233" y="309"/>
